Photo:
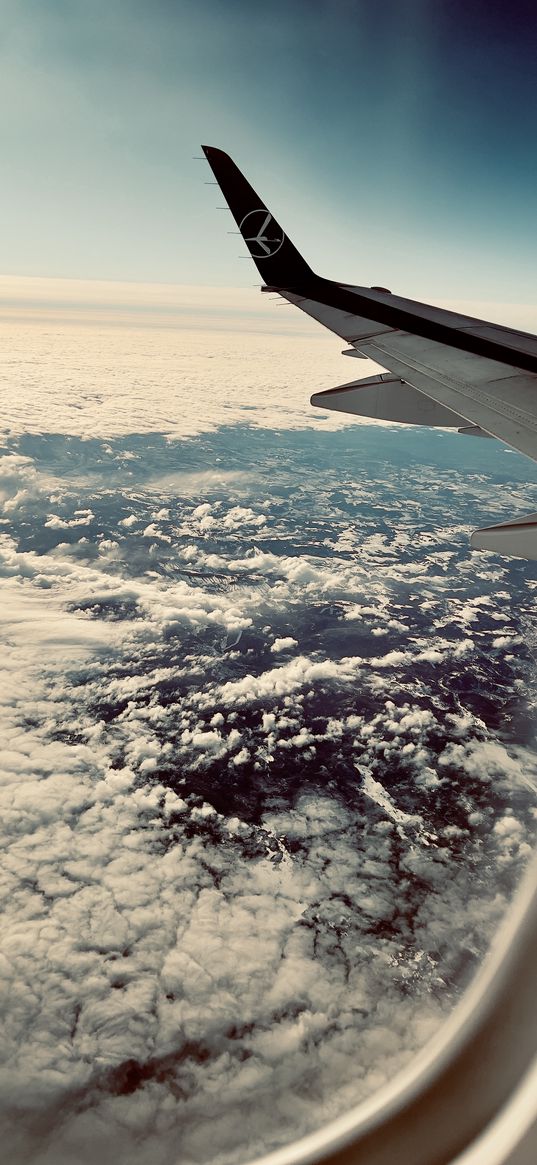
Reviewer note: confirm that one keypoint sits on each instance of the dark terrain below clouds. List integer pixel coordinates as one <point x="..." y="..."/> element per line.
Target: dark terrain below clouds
<point x="269" y="778"/>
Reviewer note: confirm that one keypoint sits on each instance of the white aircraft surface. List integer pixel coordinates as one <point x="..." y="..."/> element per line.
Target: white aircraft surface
<point x="470" y="1097"/>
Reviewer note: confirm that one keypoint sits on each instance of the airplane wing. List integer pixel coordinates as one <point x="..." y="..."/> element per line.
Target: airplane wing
<point x="471" y="1097"/>
<point x="442" y="368"/>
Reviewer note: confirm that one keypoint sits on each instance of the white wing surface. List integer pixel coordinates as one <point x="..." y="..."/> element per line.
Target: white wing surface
<point x="485" y="374"/>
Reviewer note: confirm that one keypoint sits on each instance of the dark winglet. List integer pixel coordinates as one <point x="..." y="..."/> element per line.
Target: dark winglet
<point x="276" y="259"/>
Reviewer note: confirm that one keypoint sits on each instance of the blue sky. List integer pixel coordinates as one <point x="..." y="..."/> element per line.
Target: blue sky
<point x="395" y="141"/>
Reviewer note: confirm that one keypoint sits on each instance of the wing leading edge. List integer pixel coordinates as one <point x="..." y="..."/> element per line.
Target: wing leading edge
<point x="445" y="369"/>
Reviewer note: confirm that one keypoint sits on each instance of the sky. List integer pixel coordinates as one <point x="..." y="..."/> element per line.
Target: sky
<point x="393" y="141"/>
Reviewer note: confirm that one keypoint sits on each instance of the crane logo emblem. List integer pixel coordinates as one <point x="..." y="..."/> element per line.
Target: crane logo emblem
<point x="262" y="233"/>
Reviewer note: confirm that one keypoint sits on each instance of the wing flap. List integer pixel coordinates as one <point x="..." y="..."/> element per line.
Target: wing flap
<point x="517" y="537"/>
<point x="387" y="398"/>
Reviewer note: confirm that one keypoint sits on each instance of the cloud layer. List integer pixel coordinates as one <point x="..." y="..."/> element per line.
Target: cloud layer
<point x="268" y="781"/>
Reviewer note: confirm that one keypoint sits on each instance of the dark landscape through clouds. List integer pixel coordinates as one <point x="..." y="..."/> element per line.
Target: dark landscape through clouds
<point x="270" y="774"/>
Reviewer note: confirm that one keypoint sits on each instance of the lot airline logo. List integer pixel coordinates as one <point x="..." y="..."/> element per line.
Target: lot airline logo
<point x="262" y="233"/>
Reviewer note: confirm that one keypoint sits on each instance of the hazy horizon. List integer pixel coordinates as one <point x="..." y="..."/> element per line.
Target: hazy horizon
<point x="203" y="306"/>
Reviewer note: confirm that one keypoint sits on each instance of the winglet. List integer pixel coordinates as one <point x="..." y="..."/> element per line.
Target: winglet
<point x="274" y="255"/>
